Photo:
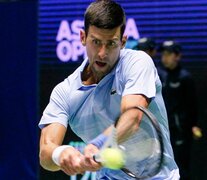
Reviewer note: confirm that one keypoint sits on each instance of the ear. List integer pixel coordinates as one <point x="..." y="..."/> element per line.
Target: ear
<point x="124" y="40"/>
<point x="178" y="57"/>
<point x="83" y="37"/>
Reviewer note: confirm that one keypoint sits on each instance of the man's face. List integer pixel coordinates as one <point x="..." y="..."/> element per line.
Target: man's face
<point x="170" y="59"/>
<point x="151" y="53"/>
<point x="103" y="48"/>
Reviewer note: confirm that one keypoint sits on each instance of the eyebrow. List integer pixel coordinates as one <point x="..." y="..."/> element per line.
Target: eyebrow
<point x="114" y="39"/>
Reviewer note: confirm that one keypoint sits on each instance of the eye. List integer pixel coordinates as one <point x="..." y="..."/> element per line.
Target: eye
<point x="96" y="41"/>
<point x="112" y="44"/>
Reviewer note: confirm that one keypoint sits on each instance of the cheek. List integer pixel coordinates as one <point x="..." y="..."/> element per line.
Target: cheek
<point x="171" y="59"/>
<point x="166" y="59"/>
<point x="114" y="56"/>
<point x="90" y="52"/>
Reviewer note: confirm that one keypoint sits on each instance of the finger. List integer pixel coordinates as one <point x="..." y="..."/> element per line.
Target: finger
<point x="67" y="168"/>
<point x="89" y="152"/>
<point x="91" y="165"/>
<point x="88" y="159"/>
<point x="76" y="164"/>
<point x="71" y="164"/>
<point x="67" y="171"/>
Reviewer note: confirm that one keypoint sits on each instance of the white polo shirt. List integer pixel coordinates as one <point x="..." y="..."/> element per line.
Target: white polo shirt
<point x="89" y="110"/>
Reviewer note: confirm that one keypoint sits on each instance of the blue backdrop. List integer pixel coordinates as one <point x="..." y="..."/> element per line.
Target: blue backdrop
<point x="183" y="21"/>
<point x="18" y="94"/>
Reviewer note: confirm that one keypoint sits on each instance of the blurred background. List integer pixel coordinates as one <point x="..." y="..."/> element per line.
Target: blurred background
<point x="39" y="47"/>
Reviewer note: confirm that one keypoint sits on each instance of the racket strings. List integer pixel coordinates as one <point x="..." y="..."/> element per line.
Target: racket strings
<point x="143" y="150"/>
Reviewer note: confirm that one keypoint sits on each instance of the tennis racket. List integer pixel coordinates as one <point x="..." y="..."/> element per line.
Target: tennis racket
<point x="142" y="150"/>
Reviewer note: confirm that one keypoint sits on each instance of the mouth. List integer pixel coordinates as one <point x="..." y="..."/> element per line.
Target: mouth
<point x="100" y="64"/>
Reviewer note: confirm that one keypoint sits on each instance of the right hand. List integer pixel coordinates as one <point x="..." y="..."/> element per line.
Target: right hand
<point x="89" y="151"/>
<point x="71" y="161"/>
<point x="197" y="132"/>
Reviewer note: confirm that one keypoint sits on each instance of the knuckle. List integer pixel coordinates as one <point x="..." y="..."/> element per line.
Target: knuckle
<point x="76" y="165"/>
<point x="63" y="161"/>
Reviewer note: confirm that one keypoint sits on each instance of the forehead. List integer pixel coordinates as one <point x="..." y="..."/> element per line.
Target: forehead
<point x="165" y="52"/>
<point x="104" y="34"/>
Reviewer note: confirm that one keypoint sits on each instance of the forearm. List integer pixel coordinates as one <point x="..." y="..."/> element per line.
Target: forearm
<point x="128" y="123"/>
<point x="51" y="137"/>
<point x="130" y="119"/>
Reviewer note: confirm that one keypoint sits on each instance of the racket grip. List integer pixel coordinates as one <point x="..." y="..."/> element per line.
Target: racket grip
<point x="97" y="158"/>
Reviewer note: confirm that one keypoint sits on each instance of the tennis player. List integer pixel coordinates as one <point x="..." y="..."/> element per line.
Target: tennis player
<point x="111" y="80"/>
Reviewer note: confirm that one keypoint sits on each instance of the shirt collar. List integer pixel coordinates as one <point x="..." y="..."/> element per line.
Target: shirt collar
<point x="81" y="86"/>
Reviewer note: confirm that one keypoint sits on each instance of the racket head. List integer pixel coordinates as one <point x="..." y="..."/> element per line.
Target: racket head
<point x="143" y="150"/>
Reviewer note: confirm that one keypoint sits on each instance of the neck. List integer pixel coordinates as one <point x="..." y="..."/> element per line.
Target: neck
<point x="172" y="66"/>
<point x="90" y="77"/>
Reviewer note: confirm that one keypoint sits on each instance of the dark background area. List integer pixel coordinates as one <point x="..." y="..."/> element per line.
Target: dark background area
<point x="18" y="92"/>
<point x="26" y="84"/>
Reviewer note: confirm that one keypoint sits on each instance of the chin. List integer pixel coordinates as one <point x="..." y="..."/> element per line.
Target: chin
<point x="102" y="72"/>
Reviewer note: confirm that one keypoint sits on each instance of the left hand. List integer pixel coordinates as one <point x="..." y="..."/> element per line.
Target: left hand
<point x="89" y="151"/>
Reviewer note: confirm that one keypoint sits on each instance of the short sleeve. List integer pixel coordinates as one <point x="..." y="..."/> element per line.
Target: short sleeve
<point x="140" y="76"/>
<point x="58" y="109"/>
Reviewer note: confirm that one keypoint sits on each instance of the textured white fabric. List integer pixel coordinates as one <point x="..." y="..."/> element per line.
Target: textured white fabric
<point x="56" y="153"/>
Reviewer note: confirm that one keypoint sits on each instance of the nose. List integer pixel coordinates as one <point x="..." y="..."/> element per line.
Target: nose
<point x="102" y="52"/>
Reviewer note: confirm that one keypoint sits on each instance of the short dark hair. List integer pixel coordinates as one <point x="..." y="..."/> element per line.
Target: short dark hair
<point x="145" y="44"/>
<point x="105" y="14"/>
<point x="171" y="46"/>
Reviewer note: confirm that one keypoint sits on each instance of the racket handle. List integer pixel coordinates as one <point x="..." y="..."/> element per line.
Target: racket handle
<point x="97" y="158"/>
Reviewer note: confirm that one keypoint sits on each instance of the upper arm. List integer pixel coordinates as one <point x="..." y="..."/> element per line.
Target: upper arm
<point x="57" y="111"/>
<point x="139" y="77"/>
